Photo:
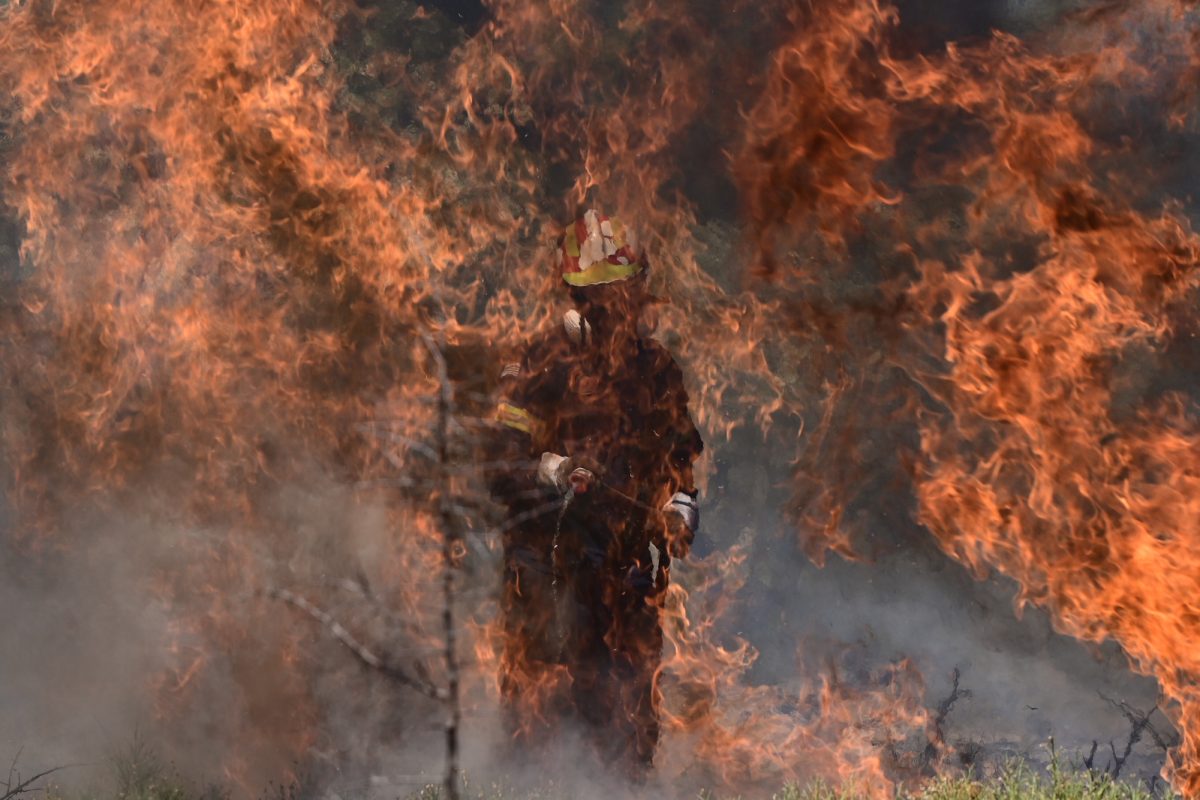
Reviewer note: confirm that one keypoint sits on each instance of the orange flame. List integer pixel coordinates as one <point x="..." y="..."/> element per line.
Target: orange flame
<point x="229" y="255"/>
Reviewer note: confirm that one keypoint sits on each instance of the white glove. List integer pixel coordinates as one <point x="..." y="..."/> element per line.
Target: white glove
<point x="687" y="508"/>
<point x="561" y="473"/>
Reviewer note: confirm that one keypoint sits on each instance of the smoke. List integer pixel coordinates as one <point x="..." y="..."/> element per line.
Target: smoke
<point x="81" y="637"/>
<point x="905" y="599"/>
<point x="235" y="228"/>
<point x="115" y="639"/>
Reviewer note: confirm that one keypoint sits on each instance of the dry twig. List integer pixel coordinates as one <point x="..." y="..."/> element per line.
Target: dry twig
<point x="938" y="738"/>
<point x="363" y="653"/>
<point x="1140" y="724"/>
<point x="14" y="787"/>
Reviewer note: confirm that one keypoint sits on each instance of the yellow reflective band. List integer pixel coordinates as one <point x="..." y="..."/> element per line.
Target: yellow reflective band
<point x="602" y="272"/>
<point x="515" y="418"/>
<point x="572" y="243"/>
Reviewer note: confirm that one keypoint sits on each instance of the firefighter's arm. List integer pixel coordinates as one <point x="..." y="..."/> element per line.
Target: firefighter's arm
<point x="520" y="428"/>
<point x="511" y="446"/>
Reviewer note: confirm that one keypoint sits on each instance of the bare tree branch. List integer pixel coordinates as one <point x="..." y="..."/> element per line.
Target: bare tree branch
<point x="1140" y="724"/>
<point x="938" y="739"/>
<point x="12" y="768"/>
<point x="450" y="538"/>
<point x="360" y="651"/>
<point x="398" y="438"/>
<point x="524" y="516"/>
<point x="360" y="587"/>
<point x="14" y="786"/>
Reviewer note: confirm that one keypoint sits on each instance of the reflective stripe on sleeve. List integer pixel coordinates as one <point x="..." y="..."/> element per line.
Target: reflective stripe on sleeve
<point x="516" y="418"/>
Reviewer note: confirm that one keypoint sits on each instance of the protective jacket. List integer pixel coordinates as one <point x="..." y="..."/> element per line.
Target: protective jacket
<point x="582" y="572"/>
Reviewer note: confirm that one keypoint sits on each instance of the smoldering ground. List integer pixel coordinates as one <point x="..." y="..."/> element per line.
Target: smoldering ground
<point x="109" y="622"/>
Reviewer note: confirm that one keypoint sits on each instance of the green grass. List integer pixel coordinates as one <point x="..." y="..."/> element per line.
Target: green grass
<point x="137" y="774"/>
<point x="1017" y="782"/>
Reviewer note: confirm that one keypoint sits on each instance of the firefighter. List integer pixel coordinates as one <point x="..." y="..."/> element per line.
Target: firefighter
<point x="593" y="424"/>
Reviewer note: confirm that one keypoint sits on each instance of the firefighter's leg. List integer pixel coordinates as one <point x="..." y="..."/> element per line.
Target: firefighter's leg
<point x="619" y="696"/>
<point x="590" y="618"/>
<point x="640" y="654"/>
<point x="529" y="674"/>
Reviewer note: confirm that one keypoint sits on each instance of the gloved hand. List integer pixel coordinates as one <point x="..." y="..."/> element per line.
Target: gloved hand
<point x="563" y="474"/>
<point x="683" y="520"/>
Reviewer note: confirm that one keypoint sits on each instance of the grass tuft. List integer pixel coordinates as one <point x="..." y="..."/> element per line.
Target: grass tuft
<point x="1016" y="782"/>
<point x="137" y="773"/>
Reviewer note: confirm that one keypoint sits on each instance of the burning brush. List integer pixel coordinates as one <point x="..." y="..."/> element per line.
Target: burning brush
<point x="264" y="268"/>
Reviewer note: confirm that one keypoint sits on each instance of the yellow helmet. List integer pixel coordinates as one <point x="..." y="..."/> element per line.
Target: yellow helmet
<point x="599" y="249"/>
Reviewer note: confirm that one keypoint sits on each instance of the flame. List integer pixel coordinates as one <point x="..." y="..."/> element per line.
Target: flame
<point x="1046" y="472"/>
<point x="232" y="253"/>
<point x="1086" y="500"/>
<point x="1037" y="457"/>
<point x="224" y="283"/>
<point x="845" y="733"/>
<point x="821" y="126"/>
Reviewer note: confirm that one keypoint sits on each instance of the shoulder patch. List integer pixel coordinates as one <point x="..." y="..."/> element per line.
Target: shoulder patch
<point x="511" y="370"/>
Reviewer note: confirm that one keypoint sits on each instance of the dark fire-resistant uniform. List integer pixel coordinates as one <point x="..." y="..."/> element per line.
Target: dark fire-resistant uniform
<point x="582" y="573"/>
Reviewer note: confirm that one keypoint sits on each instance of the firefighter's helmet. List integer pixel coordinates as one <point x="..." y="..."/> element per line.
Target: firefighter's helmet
<point x="599" y="249"/>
